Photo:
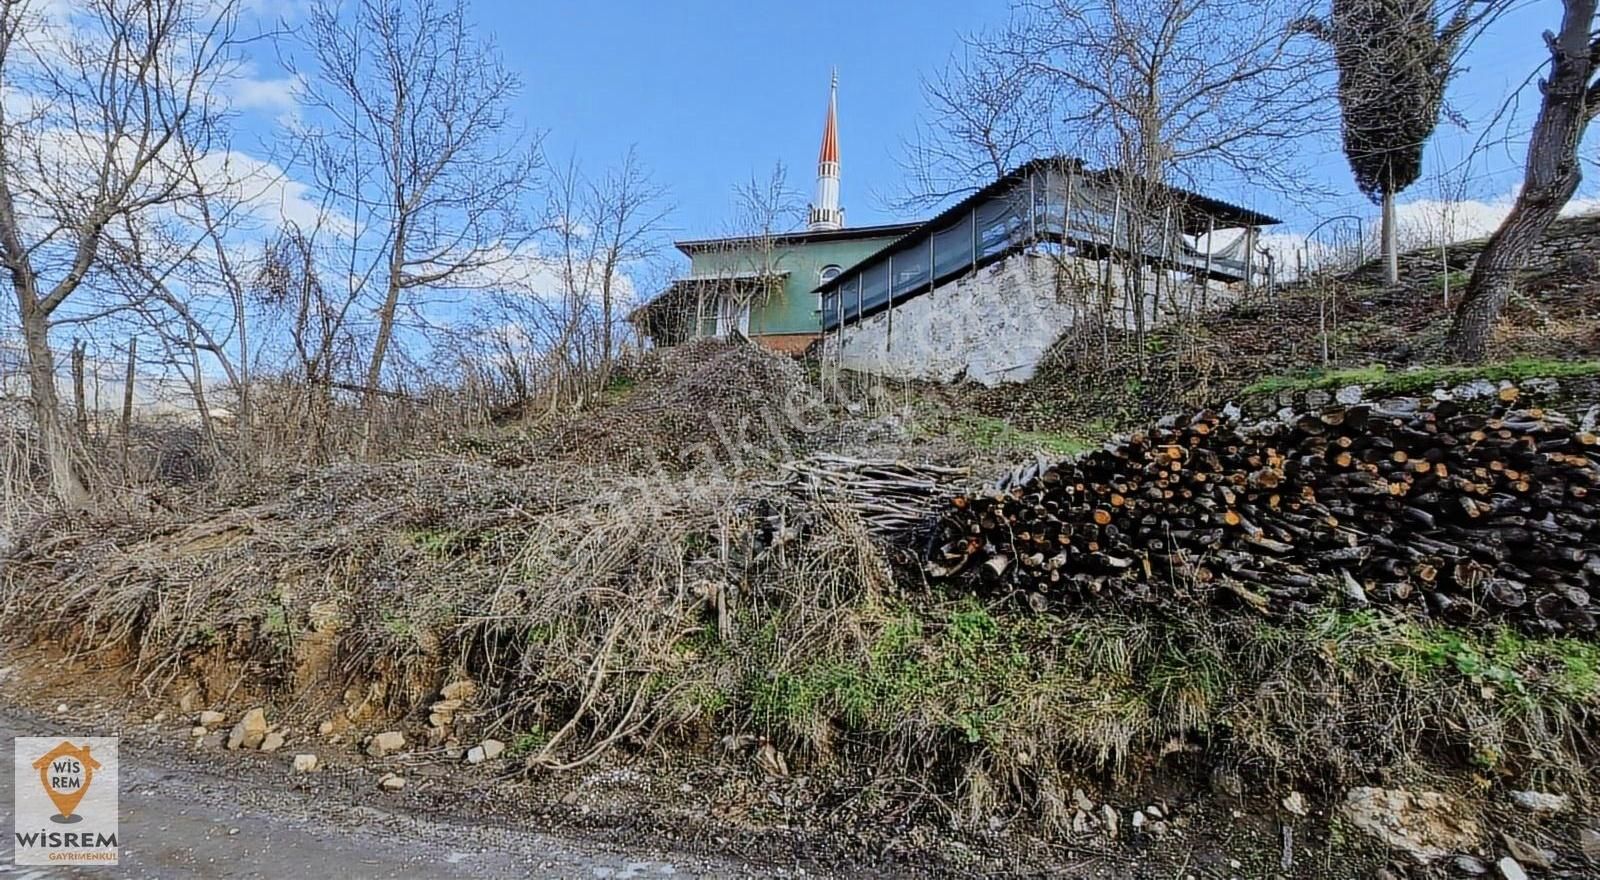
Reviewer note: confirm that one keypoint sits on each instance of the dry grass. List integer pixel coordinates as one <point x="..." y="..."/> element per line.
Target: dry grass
<point x="608" y="614"/>
<point x="602" y="614"/>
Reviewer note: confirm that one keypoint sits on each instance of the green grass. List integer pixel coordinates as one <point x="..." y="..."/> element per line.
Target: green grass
<point x="1100" y="687"/>
<point x="1377" y="379"/>
<point x="1453" y="280"/>
<point x="989" y="433"/>
<point x="617" y="389"/>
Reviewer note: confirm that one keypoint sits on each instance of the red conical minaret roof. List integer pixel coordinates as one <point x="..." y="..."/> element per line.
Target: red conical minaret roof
<point x="825" y="213"/>
<point x="830" y="128"/>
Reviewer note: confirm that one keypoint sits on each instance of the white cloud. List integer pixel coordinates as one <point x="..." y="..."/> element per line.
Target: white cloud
<point x="267" y="192"/>
<point x="275" y="96"/>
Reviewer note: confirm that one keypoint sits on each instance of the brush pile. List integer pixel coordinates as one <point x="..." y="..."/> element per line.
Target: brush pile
<point x="711" y="402"/>
<point x="893" y="498"/>
<point x="1461" y="516"/>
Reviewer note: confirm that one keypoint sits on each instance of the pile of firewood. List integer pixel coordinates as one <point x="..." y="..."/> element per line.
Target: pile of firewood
<point x="1463" y="516"/>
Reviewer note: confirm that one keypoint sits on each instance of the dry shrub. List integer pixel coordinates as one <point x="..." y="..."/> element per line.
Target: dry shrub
<point x="601" y="613"/>
<point x="708" y="402"/>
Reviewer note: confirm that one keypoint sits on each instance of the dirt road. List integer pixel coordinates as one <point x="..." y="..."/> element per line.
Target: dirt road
<point x="183" y="818"/>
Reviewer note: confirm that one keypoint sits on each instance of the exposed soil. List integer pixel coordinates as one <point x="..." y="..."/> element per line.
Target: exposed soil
<point x="201" y="811"/>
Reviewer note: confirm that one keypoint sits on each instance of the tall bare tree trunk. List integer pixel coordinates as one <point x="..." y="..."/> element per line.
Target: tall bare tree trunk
<point x="380" y="345"/>
<point x="127" y="399"/>
<point x="1553" y="174"/>
<point x="1391" y="241"/>
<point x="54" y="433"/>
<point x="80" y="405"/>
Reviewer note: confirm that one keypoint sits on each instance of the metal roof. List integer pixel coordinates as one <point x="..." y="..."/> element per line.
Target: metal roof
<point x="1206" y="205"/>
<point x="848" y="233"/>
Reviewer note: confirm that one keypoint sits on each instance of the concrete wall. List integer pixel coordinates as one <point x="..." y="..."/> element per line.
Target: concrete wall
<point x="991" y="327"/>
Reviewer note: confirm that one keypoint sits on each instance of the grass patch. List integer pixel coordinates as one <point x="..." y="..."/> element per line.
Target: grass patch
<point x="1306" y="696"/>
<point x="989" y="433"/>
<point x="1453" y="280"/>
<point x="1377" y="378"/>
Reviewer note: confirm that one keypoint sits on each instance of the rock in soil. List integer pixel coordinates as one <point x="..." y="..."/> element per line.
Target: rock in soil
<point x="385" y="743"/>
<point x="272" y="742"/>
<point x="1295" y="802"/>
<point x="250" y="731"/>
<point x="462" y="690"/>
<point x="210" y="718"/>
<point x="1225" y="781"/>
<point x="1426" y="825"/>
<point x="391" y="782"/>
<point x="1527" y="853"/>
<point x="306" y="763"/>
<point x="488" y="750"/>
<point x="1589" y="843"/>
<point x="1510" y="870"/>
<point x="1540" y="801"/>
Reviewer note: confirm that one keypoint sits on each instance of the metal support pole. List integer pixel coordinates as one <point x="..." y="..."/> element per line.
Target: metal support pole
<point x="973" y="220"/>
<point x="888" y="334"/>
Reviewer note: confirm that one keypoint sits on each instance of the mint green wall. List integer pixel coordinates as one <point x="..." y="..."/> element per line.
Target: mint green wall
<point x="794" y="310"/>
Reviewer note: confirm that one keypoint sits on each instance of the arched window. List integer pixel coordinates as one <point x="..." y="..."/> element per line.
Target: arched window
<point x="826" y="274"/>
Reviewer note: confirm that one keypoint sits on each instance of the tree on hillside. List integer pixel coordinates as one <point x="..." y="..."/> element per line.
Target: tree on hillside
<point x="627" y="213"/>
<point x="988" y="116"/>
<point x="1183" y="91"/>
<point x="1395" y="61"/>
<point x="413" y="143"/>
<point x="1571" y="100"/>
<point x="97" y="97"/>
<point x="554" y="327"/>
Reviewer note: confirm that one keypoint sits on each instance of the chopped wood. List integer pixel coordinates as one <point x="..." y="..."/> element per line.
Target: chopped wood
<point x="1460" y="516"/>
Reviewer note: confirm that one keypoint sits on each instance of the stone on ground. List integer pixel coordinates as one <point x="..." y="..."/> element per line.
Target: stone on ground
<point x="1540" y="801"/>
<point x="1426" y="825"/>
<point x="386" y="743"/>
<point x="462" y="690"/>
<point x="250" y="730"/>
<point x="306" y="763"/>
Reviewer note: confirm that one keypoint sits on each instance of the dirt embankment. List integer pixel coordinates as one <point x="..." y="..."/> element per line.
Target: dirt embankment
<point x="691" y="634"/>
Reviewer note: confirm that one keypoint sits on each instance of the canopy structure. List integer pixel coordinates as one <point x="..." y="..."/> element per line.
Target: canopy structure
<point x="1095" y="214"/>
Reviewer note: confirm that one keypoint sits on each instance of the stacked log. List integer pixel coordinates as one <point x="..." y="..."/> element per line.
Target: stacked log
<point x="1463" y="516"/>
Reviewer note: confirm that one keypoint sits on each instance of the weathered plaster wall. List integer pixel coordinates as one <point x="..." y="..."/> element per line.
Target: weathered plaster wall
<point x="993" y="326"/>
<point x="990" y="327"/>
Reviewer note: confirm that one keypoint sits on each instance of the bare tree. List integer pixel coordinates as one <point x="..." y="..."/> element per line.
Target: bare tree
<point x="627" y="212"/>
<point x="416" y="146"/>
<point x="97" y="99"/>
<point x="559" y="339"/>
<point x="313" y="321"/>
<point x="989" y="116"/>
<point x="1571" y="100"/>
<point x="1168" y="90"/>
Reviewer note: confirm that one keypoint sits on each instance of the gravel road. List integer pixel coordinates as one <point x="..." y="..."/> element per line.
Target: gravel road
<point x="182" y="818"/>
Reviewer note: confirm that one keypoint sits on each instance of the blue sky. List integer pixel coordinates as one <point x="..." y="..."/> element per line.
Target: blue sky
<point x="714" y="91"/>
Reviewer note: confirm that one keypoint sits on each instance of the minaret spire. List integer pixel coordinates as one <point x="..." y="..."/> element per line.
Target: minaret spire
<point x="825" y="213"/>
